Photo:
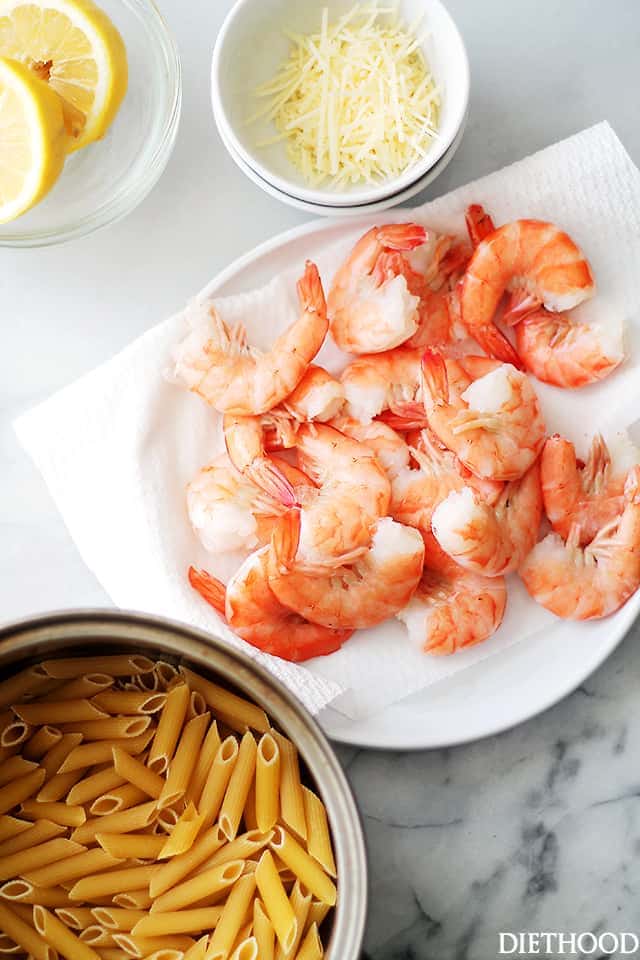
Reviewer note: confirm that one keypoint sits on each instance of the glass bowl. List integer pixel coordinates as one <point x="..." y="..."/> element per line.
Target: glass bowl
<point x="106" y="180"/>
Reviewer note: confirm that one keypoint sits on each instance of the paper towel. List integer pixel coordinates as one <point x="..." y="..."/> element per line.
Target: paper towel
<point x="118" y="447"/>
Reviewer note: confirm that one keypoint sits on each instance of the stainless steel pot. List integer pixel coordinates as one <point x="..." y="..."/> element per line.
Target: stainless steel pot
<point x="103" y="631"/>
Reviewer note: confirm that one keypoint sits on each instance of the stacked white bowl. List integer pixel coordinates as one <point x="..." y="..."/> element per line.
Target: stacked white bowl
<point x="249" y="49"/>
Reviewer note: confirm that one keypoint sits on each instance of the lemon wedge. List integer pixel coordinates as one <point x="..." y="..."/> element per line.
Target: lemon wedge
<point x="76" y="49"/>
<point x="32" y="139"/>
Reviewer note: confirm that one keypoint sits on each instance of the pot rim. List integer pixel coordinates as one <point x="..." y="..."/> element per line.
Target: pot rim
<point x="28" y="637"/>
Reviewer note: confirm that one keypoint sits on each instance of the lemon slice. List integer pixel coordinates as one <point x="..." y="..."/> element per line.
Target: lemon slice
<point x="74" y="46"/>
<point x="32" y="139"/>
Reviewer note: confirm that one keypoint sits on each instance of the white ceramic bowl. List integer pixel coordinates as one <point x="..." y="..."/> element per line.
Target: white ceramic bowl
<point x="251" y="45"/>
<point x="359" y="210"/>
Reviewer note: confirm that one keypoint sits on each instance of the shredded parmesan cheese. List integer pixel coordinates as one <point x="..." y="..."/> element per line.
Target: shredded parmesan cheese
<point x="356" y="101"/>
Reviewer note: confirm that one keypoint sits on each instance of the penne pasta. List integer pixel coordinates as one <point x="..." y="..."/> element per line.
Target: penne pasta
<point x="169" y="728"/>
<point x="32" y="859"/>
<point x="125" y="821"/>
<point x="239" y="714"/>
<point x="276" y="902"/>
<point x="62" y="813"/>
<point x="311" y="948"/>
<point x="7" y="945"/>
<point x="39" y="832"/>
<point x="245" y="847"/>
<point x="208" y="750"/>
<point x="20" y="789"/>
<point x="55" y="757"/>
<point x="119" y="799"/>
<point x="317" y="913"/>
<point x="249" y="812"/>
<point x="41" y="741"/>
<point x="183" y="834"/>
<point x="24" y="934"/>
<point x="114" y="666"/>
<point x="218" y="780"/>
<point x="137" y="773"/>
<point x="97" y="936"/>
<point x="116" y="918"/>
<point x="115" y="953"/>
<point x="80" y="864"/>
<point x="167" y="819"/>
<point x="85" y="687"/>
<point x="145" y="946"/>
<point x="182" y="763"/>
<point x="197" y="888"/>
<point x="131" y="846"/>
<point x="76" y="918"/>
<point x="197" y="705"/>
<point x="29" y="682"/>
<point x="128" y="702"/>
<point x="59" y="786"/>
<point x="15" y="733"/>
<point x="263" y="931"/>
<point x="89" y="788"/>
<point x="246" y="950"/>
<point x="165" y="672"/>
<point x="318" y="837"/>
<point x="171" y="873"/>
<point x="55" y="712"/>
<point x="198" y="950"/>
<point x="231" y="918"/>
<point x="54" y="932"/>
<point x="11" y="826"/>
<point x="236" y="793"/>
<point x="300" y="900"/>
<point x="101" y="751"/>
<point x="111" y="728"/>
<point x="306" y="869"/>
<point x="20" y="891"/>
<point x="291" y="799"/>
<point x="15" y="767"/>
<point x="178" y="921"/>
<point x="113" y="882"/>
<point x="133" y="899"/>
<point x="267" y="783"/>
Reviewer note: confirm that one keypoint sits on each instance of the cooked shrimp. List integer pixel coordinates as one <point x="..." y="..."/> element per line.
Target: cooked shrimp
<point x="227" y="512"/>
<point x="245" y="439"/>
<point x="538" y="263"/>
<point x="585" y="495"/>
<point x="491" y="540"/>
<point x="453" y="609"/>
<point x="372" y="589"/>
<point x="586" y="583"/>
<point x="318" y="396"/>
<point x="338" y="518"/>
<point x="381" y="381"/>
<point x="559" y="349"/>
<point x="495" y="425"/>
<point x="253" y="612"/>
<point x="218" y="364"/>
<point x="371" y="311"/>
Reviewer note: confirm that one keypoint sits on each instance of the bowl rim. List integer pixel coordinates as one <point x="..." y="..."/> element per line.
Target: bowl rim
<point x="129" y="196"/>
<point x="27" y="638"/>
<point x="361" y="197"/>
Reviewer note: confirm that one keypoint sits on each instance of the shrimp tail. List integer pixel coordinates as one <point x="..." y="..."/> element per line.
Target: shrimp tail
<point x="632" y="486"/>
<point x="269" y="478"/>
<point x="210" y="589"/>
<point x="405" y="416"/>
<point x="496" y="345"/>
<point x="310" y="290"/>
<point x="401" y="236"/>
<point x="434" y="376"/>
<point x="479" y="223"/>
<point x="285" y="540"/>
<point x="521" y="305"/>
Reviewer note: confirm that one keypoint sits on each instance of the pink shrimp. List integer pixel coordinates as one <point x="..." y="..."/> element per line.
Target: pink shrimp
<point x="453" y="609"/>
<point x="218" y="364"/>
<point x="253" y="611"/>
<point x="535" y="260"/>
<point x="361" y="594"/>
<point x="318" y="396"/>
<point x="586" y="583"/>
<point x="491" y="540"/>
<point x="381" y="381"/>
<point x="495" y="425"/>
<point x="369" y="310"/>
<point x="586" y="496"/>
<point x="246" y="441"/>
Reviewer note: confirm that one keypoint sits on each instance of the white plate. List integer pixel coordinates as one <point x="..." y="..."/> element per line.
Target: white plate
<point x="494" y="694"/>
<point x="323" y="210"/>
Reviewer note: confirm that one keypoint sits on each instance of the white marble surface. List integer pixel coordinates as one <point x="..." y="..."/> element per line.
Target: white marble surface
<point x="538" y="829"/>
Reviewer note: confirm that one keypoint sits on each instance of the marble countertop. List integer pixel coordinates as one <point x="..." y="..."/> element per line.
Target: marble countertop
<point x="537" y="829"/>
